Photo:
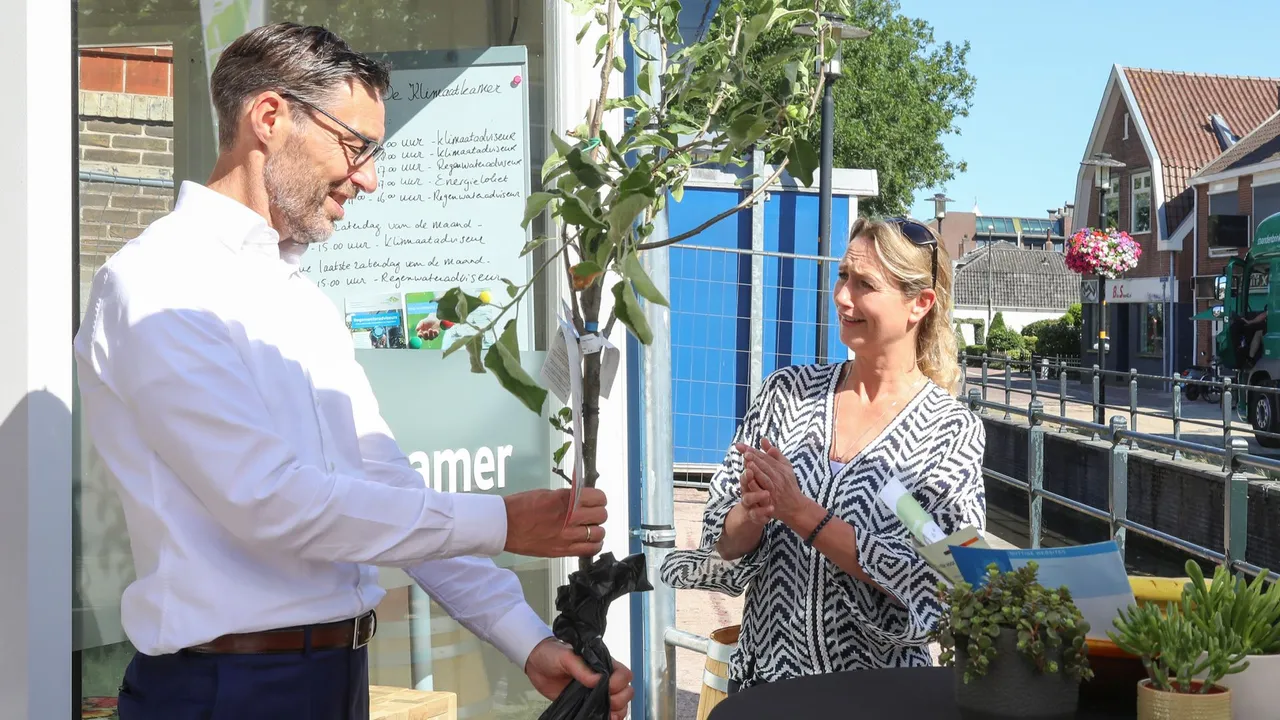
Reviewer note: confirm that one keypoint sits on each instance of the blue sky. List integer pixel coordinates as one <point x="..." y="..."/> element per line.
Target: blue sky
<point x="1041" y="68"/>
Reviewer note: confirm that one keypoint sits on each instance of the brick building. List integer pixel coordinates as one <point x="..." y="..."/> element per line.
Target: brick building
<point x="1236" y="192"/>
<point x="126" y="148"/>
<point x="963" y="232"/>
<point x="1165" y="127"/>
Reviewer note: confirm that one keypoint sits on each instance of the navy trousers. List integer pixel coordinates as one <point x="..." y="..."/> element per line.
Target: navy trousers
<point x="315" y="685"/>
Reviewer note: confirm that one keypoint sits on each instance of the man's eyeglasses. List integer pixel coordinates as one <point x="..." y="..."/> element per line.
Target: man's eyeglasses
<point x="920" y="236"/>
<point x="370" y="149"/>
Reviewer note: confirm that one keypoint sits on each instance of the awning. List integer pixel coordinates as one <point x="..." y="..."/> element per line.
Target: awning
<point x="1213" y="313"/>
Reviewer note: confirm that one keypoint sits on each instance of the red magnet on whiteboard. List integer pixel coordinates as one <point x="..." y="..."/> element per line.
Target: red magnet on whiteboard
<point x="515" y="81"/>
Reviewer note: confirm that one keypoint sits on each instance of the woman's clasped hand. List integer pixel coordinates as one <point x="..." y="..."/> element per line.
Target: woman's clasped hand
<point x="769" y="486"/>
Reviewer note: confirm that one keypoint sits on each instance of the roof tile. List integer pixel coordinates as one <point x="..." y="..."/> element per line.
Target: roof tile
<point x="1020" y="279"/>
<point x="1176" y="107"/>
<point x="1261" y="145"/>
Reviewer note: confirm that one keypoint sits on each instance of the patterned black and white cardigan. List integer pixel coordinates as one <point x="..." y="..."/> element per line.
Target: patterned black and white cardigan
<point x="803" y="615"/>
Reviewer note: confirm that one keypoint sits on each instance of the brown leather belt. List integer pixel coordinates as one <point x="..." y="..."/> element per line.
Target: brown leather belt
<point x="351" y="634"/>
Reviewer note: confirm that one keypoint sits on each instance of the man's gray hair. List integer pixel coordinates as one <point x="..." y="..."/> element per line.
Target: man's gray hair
<point x="307" y="62"/>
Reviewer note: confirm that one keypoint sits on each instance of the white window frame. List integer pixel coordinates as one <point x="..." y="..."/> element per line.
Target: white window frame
<point x="1134" y="193"/>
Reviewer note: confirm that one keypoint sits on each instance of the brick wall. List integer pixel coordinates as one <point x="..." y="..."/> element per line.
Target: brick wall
<point x="126" y="136"/>
<point x="132" y="70"/>
<point x="1129" y="151"/>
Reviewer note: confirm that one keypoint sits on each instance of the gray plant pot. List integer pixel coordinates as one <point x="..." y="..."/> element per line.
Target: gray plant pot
<point x="1013" y="689"/>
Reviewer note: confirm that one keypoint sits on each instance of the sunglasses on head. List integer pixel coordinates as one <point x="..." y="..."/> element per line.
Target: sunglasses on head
<point x="920" y="236"/>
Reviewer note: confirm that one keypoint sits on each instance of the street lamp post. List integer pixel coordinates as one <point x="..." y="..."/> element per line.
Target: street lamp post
<point x="1102" y="164"/>
<point x="828" y="72"/>
<point x="990" y="247"/>
<point x="940" y="201"/>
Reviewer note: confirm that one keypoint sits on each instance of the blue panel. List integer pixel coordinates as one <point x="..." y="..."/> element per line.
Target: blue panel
<point x="711" y="303"/>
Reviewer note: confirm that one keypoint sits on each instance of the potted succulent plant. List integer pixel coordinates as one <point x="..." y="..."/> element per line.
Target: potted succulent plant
<point x="1018" y="648"/>
<point x="1186" y="659"/>
<point x="1252" y="612"/>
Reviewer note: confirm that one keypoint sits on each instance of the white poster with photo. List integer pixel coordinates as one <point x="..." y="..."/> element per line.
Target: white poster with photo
<point x="451" y="197"/>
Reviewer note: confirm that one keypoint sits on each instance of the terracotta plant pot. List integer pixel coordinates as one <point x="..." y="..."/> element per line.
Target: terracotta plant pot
<point x="1255" y="691"/>
<point x="1156" y="704"/>
<point x="1013" y="688"/>
<point x="1115" y="673"/>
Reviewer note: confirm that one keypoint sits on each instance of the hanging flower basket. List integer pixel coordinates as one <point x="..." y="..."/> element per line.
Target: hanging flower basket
<point x="1109" y="253"/>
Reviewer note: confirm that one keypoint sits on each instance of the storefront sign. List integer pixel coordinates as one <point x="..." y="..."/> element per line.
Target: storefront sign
<point x="460" y="430"/>
<point x="450" y="202"/>
<point x="1132" y="290"/>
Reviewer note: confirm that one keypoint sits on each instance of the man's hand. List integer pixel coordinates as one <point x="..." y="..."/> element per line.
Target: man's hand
<point x="552" y="665"/>
<point x="535" y="523"/>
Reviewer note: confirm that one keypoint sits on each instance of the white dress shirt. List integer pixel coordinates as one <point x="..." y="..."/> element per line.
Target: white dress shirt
<point x="259" y="481"/>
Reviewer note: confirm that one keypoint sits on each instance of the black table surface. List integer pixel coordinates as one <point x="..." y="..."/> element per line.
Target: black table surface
<point x="893" y="694"/>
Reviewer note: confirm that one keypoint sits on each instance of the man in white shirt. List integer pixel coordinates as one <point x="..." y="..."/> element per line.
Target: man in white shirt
<point x="260" y="484"/>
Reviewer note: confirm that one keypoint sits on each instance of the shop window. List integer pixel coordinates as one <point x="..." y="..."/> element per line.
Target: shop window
<point x="1141" y="202"/>
<point x="1151" y="339"/>
<point x="146" y="126"/>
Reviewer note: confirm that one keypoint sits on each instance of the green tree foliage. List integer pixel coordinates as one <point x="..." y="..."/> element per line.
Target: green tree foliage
<point x="1056" y="337"/>
<point x="1001" y="340"/>
<point x="900" y="94"/>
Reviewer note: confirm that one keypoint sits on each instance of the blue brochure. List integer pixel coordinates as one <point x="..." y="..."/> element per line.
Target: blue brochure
<point x="1095" y="575"/>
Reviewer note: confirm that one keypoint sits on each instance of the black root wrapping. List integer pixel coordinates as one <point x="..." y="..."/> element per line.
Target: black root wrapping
<point x="584" y="605"/>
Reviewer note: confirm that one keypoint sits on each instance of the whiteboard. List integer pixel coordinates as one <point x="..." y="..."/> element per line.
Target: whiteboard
<point x="451" y="195"/>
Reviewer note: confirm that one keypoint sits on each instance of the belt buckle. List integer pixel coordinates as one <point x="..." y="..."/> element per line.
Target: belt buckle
<point x="356" y="641"/>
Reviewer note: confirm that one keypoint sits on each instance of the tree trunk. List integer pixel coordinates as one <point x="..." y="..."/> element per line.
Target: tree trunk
<point x="590" y="298"/>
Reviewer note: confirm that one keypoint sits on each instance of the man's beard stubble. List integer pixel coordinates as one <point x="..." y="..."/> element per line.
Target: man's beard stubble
<point x="296" y="194"/>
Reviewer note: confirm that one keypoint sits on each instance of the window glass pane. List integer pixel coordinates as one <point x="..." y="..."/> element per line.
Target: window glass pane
<point x="127" y="150"/>
<point x="1151" y="341"/>
<point x="146" y="125"/>
<point x="1141" y="199"/>
<point x="1111" y="209"/>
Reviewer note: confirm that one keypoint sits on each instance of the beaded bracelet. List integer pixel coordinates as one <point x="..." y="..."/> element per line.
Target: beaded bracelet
<point x="814" y="535"/>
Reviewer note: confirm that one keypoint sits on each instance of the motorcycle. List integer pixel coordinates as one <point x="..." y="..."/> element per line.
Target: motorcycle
<point x="1211" y="373"/>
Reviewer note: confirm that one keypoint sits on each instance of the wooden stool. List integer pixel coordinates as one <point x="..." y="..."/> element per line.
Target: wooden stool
<point x="395" y="703"/>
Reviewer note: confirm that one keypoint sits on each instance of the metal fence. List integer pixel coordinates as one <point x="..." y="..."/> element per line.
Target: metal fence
<point x="728" y="333"/>
<point x="1235" y="460"/>
<point x="1173" y="406"/>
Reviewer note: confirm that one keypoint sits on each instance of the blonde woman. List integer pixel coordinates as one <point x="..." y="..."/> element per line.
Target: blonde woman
<point x="794" y="518"/>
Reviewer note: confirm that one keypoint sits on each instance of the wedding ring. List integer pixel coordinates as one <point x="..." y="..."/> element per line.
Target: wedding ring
<point x="588" y="533"/>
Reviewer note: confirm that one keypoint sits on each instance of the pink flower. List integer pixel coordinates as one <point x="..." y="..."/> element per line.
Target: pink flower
<point x="1111" y="254"/>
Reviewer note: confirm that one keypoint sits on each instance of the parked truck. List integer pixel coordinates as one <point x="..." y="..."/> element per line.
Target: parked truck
<point x="1248" y="289"/>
